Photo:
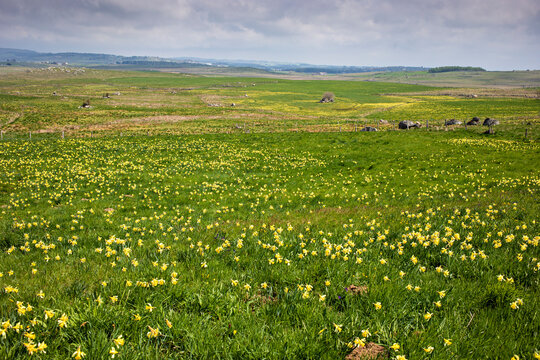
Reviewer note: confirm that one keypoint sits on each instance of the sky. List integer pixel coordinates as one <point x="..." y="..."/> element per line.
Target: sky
<point x="494" y="34"/>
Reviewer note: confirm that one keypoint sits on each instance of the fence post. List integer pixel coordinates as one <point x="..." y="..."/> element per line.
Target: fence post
<point x="427" y="124"/>
<point x="2" y="135"/>
<point x="526" y="133"/>
<point x="62" y="134"/>
<point x="30" y="135"/>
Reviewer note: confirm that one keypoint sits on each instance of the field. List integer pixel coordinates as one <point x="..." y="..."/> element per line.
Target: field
<point x="48" y="100"/>
<point x="196" y="237"/>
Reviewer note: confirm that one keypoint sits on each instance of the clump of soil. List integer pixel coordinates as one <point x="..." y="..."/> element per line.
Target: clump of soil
<point x="357" y="290"/>
<point x="371" y="351"/>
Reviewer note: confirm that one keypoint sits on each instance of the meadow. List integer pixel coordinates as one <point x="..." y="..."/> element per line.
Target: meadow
<point x="47" y="101"/>
<point x="193" y="239"/>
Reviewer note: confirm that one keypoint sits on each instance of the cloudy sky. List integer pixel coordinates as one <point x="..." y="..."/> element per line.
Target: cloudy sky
<point x="495" y="34"/>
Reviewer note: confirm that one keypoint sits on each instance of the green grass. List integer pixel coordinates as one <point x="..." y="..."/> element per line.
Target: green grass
<point x="188" y="104"/>
<point x="288" y="210"/>
<point x="245" y="245"/>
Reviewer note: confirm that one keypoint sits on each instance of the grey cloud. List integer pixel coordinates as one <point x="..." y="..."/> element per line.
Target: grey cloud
<point x="414" y="32"/>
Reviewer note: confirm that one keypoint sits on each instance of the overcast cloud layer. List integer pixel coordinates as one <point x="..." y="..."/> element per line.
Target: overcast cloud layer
<point x="495" y="34"/>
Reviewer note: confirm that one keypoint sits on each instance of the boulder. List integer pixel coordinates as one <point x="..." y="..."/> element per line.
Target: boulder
<point x="474" y="121"/>
<point x="369" y="128"/>
<point x="383" y="122"/>
<point x="326" y="100"/>
<point x="452" y="122"/>
<point x="407" y="124"/>
<point x="490" y="122"/>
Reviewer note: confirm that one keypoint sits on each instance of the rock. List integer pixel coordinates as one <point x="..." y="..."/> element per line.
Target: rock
<point x="233" y="104"/>
<point x="369" y="128"/>
<point x="407" y="124"/>
<point x="490" y="122"/>
<point x="326" y="100"/>
<point x="452" y="122"/>
<point x="383" y="122"/>
<point x="474" y="121"/>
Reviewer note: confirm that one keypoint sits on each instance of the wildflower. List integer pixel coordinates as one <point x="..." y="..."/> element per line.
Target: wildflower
<point x="149" y="307"/>
<point x="428" y="315"/>
<point x="119" y="341"/>
<point x="247" y="287"/>
<point x="337" y="328"/>
<point x="62" y="322"/>
<point x="360" y="342"/>
<point x="169" y="324"/>
<point x="366" y="333"/>
<point x="429" y="349"/>
<point x="322" y="297"/>
<point x="377" y="305"/>
<point x="114" y="299"/>
<point x="113" y="352"/>
<point x="30" y="347"/>
<point x="234" y="282"/>
<point x="401" y="357"/>
<point x="514" y="305"/>
<point x="441" y="293"/>
<point x="78" y="354"/>
<point x="153" y="332"/>
<point x="327" y="283"/>
<point x="41" y="347"/>
<point x="264" y="285"/>
<point x="40" y="294"/>
<point x="99" y="300"/>
<point x="137" y="317"/>
<point x="447" y="342"/>
<point x="395" y="347"/>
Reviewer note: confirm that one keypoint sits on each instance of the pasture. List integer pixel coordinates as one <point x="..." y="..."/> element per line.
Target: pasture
<point x="193" y="238"/>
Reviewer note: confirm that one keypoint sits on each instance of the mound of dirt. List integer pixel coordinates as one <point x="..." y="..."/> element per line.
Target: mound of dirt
<point x="371" y="351"/>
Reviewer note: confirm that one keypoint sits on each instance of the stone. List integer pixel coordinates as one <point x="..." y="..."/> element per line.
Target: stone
<point x="490" y="122"/>
<point x="407" y="124"/>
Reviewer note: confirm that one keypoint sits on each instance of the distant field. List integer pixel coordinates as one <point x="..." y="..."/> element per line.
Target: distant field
<point x="48" y="100"/>
<point x="493" y="79"/>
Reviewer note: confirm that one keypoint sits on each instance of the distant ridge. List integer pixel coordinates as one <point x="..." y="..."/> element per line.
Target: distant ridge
<point x="13" y="56"/>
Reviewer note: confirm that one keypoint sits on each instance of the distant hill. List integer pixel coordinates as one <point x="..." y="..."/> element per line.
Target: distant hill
<point x="15" y="56"/>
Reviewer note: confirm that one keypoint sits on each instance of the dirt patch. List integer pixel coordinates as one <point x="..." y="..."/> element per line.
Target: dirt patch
<point x="371" y="351"/>
<point x="265" y="299"/>
<point x="357" y="290"/>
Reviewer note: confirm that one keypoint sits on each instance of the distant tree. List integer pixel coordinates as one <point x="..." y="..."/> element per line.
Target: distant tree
<point x="454" y="68"/>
